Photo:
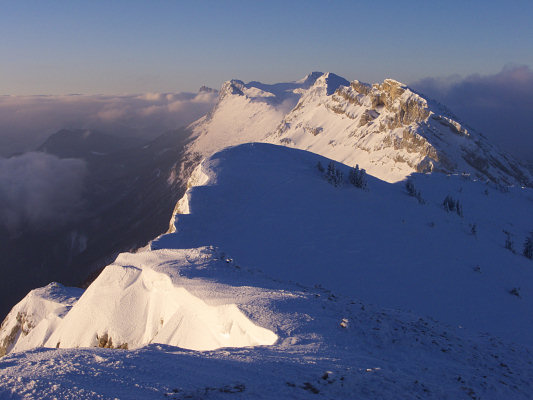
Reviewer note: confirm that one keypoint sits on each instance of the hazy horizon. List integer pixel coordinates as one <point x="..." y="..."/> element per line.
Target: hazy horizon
<point x="136" y="47"/>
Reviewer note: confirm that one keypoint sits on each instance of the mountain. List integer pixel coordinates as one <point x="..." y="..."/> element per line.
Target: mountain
<point x="268" y="251"/>
<point x="245" y="113"/>
<point x="387" y="128"/>
<point x="287" y="273"/>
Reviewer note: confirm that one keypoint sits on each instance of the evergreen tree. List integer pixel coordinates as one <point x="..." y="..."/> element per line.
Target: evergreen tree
<point x="411" y="191"/>
<point x="331" y="172"/>
<point x="357" y="177"/>
<point x="338" y="177"/>
<point x="528" y="247"/>
<point x="450" y="204"/>
<point x="508" y="241"/>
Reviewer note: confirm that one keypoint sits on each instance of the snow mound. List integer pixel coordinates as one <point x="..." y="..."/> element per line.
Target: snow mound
<point x="135" y="301"/>
<point x="132" y="306"/>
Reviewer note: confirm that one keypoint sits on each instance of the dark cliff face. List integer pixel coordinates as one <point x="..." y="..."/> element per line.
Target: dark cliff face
<point x="129" y="196"/>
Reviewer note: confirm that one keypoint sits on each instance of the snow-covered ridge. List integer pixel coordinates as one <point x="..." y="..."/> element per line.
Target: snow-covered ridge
<point x="245" y="113"/>
<point x="270" y="207"/>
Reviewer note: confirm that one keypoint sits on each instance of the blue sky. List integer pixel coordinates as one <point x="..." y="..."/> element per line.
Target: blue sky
<point x="58" y="47"/>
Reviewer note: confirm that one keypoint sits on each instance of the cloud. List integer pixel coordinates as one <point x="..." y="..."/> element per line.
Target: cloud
<point x="39" y="191"/>
<point x="26" y="121"/>
<point x="499" y="105"/>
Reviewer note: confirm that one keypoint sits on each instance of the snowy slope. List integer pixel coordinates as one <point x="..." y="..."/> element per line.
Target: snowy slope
<point x="386" y="128"/>
<point x="245" y="113"/>
<point x="270" y="253"/>
<point x="270" y="207"/>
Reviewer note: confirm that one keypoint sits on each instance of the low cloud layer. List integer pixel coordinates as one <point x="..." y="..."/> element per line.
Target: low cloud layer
<point x="26" y="121"/>
<point x="499" y="106"/>
<point x="39" y="191"/>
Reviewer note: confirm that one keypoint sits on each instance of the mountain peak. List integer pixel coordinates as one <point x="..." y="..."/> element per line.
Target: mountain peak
<point x="230" y="87"/>
<point x="310" y="79"/>
<point x="331" y="82"/>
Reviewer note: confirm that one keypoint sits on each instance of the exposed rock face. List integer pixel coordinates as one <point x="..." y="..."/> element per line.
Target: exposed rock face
<point x="387" y="127"/>
<point x="22" y="326"/>
<point x="105" y="341"/>
<point x="231" y="87"/>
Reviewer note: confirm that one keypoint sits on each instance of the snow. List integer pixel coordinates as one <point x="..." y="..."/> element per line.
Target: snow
<point x="274" y="283"/>
<point x="246" y="113"/>
<point x="269" y="207"/>
<point x="382" y="354"/>
<point x="135" y="302"/>
<point x="325" y="114"/>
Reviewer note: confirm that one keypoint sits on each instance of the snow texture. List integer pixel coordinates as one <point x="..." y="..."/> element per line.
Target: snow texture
<point x="270" y="253"/>
<point x="387" y="128"/>
<point x="278" y="281"/>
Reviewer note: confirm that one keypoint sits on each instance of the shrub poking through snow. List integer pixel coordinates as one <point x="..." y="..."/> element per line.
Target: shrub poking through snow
<point x="320" y="167"/>
<point x="508" y="241"/>
<point x="411" y="191"/>
<point x="528" y="247"/>
<point x="358" y="177"/>
<point x="334" y="175"/>
<point x="451" y="205"/>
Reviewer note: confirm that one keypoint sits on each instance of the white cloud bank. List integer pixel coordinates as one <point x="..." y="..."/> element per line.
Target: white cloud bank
<point x="26" y="121"/>
<point x="39" y="191"/>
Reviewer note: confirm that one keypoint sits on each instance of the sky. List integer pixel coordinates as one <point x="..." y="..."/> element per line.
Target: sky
<point x="125" y="47"/>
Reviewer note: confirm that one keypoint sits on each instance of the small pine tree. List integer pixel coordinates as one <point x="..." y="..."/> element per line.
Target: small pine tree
<point x="331" y="169"/>
<point x="411" y="191"/>
<point x="330" y="175"/>
<point x="334" y="175"/>
<point x="338" y="178"/>
<point x="450" y="204"/>
<point x="528" y="247"/>
<point x="508" y="242"/>
<point x="320" y="167"/>
<point x="458" y="208"/>
<point x="410" y="187"/>
<point x="358" y="177"/>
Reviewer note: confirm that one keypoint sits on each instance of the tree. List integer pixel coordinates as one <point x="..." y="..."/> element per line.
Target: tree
<point x="508" y="241"/>
<point x="450" y="204"/>
<point x="334" y="175"/>
<point x="357" y="177"/>
<point x="528" y="247"/>
<point x="411" y="191"/>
